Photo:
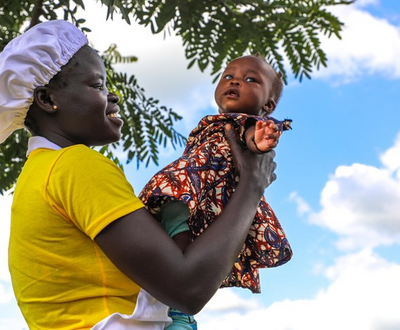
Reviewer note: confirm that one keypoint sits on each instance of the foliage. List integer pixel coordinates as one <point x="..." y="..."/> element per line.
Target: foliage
<point x="147" y="124"/>
<point x="213" y="32"/>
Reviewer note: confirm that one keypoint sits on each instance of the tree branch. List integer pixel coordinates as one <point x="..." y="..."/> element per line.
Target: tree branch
<point x="37" y="11"/>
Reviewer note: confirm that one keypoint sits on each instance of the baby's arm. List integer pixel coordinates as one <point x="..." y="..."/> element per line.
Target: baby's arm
<point x="173" y="217"/>
<point x="262" y="137"/>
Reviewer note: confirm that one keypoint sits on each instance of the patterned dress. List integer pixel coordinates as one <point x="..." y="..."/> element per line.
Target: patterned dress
<point x="204" y="179"/>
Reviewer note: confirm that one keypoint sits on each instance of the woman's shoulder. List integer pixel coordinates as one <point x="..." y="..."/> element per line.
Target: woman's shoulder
<point x="80" y="150"/>
<point x="80" y="161"/>
<point x="84" y="156"/>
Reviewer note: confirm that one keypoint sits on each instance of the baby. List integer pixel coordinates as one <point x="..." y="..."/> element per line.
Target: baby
<point x="189" y="194"/>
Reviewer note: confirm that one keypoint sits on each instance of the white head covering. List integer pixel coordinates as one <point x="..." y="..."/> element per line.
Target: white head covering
<point x="30" y="61"/>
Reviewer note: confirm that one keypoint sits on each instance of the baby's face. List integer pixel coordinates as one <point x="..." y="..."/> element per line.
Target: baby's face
<point x="244" y="87"/>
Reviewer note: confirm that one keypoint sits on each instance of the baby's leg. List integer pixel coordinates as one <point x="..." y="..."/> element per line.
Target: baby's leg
<point x="181" y="321"/>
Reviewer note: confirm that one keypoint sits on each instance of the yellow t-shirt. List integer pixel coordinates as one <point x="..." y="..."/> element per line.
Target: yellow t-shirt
<point x="61" y="278"/>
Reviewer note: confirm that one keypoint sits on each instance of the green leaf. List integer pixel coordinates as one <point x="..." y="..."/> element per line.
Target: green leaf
<point x="212" y="33"/>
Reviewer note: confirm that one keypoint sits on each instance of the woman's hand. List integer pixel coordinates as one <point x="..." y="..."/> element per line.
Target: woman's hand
<point x="141" y="249"/>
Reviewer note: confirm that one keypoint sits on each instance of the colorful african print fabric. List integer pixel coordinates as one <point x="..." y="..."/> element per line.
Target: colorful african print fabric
<point x="204" y="179"/>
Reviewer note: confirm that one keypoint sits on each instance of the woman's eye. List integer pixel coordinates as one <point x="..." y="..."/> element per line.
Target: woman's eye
<point x="99" y="87"/>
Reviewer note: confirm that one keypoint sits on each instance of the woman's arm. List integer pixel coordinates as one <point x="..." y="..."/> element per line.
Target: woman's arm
<point x="142" y="250"/>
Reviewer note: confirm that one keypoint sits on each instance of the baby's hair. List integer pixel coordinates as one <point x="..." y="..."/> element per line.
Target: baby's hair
<point x="277" y="83"/>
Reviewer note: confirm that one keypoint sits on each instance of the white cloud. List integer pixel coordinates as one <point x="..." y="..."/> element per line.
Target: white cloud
<point x="369" y="45"/>
<point x="365" y="3"/>
<point x="360" y="203"/>
<point x="364" y="294"/>
<point x="10" y="323"/>
<point x="5" y="296"/>
<point x="302" y="206"/>
<point x="391" y="157"/>
<point x="162" y="67"/>
<point x="5" y="217"/>
<point x="227" y="300"/>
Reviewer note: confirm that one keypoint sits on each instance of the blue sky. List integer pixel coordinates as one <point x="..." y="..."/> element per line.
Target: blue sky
<point x="338" y="189"/>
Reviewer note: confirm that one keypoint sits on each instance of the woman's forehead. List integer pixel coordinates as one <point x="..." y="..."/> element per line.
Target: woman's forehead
<point x="87" y="54"/>
<point x="85" y="60"/>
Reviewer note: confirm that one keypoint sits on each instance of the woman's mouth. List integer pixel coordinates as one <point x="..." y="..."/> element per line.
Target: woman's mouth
<point x="115" y="117"/>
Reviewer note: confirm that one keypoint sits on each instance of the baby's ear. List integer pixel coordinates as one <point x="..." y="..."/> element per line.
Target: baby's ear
<point x="42" y="98"/>
<point x="270" y="106"/>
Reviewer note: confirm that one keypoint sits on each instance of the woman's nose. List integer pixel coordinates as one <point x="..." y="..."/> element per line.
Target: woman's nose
<point x="114" y="98"/>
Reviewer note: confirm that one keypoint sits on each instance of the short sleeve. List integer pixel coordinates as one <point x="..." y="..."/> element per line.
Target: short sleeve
<point x="88" y="189"/>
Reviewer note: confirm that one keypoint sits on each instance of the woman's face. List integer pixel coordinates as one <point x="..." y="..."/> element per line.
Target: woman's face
<point x="87" y="113"/>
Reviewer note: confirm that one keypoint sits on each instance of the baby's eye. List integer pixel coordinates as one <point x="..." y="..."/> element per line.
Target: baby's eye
<point x="228" y="77"/>
<point x="250" y="79"/>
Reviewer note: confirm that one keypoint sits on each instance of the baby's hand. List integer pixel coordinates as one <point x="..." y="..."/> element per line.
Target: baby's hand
<point x="266" y="135"/>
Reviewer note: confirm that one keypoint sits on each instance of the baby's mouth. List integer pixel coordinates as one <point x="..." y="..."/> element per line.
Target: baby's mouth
<point x="232" y="92"/>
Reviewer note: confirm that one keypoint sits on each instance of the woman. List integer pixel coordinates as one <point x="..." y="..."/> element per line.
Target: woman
<point x="81" y="242"/>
